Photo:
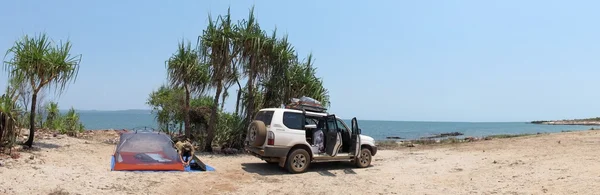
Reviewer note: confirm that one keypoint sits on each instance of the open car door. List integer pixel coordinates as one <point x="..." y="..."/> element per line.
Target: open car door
<point x="355" y="138"/>
<point x="333" y="138"/>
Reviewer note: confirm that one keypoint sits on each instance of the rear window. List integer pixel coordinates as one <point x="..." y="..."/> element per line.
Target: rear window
<point x="264" y="116"/>
<point x="293" y="120"/>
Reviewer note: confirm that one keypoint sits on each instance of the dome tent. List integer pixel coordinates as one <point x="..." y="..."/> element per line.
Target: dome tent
<point x="146" y="151"/>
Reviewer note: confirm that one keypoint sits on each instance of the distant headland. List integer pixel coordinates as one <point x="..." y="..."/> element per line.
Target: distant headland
<point x="588" y="121"/>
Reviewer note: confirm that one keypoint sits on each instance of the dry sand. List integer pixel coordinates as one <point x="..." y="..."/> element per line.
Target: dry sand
<point x="561" y="163"/>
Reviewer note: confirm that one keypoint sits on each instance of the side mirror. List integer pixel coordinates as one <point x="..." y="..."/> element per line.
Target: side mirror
<point x="359" y="131"/>
<point x="311" y="126"/>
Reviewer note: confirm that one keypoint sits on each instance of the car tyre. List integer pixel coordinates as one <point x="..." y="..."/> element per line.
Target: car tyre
<point x="297" y="161"/>
<point x="364" y="159"/>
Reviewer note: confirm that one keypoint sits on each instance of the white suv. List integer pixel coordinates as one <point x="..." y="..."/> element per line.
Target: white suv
<point x="287" y="137"/>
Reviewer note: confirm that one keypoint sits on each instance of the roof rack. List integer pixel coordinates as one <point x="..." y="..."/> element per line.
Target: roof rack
<point x="306" y="104"/>
<point x="310" y="108"/>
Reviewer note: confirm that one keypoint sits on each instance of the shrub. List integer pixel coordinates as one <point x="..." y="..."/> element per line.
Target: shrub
<point x="230" y="131"/>
<point x="71" y="124"/>
<point x="387" y="144"/>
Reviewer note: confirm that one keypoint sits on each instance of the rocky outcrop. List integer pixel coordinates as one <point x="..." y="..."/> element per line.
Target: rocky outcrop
<point x="451" y="134"/>
<point x="591" y="122"/>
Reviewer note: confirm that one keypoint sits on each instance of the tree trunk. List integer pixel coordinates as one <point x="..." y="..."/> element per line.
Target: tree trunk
<point x="186" y="113"/>
<point x="180" y="128"/>
<point x="239" y="95"/>
<point x="223" y="98"/>
<point x="250" y="103"/>
<point x="237" y="102"/>
<point x="29" y="141"/>
<point x="212" y="124"/>
<point x="3" y="125"/>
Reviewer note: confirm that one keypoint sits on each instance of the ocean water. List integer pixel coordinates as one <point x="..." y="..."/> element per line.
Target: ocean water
<point x="377" y="129"/>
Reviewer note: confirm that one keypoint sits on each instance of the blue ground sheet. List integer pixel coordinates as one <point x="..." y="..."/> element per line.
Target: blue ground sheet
<point x="187" y="168"/>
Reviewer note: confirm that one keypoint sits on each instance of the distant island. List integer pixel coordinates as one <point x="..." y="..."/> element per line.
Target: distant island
<point x="588" y="121"/>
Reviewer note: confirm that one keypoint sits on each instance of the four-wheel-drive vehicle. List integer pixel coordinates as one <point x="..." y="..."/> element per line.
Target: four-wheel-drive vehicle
<point x="287" y="137"/>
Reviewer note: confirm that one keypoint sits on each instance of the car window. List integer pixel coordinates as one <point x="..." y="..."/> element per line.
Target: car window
<point x="293" y="120"/>
<point x="342" y="126"/>
<point x="264" y="116"/>
<point x="331" y="125"/>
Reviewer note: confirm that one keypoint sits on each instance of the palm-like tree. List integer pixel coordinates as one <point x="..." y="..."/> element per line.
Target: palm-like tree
<point x="277" y="82"/>
<point x="185" y="71"/>
<point x="72" y="124"/>
<point x="42" y="65"/>
<point x="53" y="112"/>
<point x="216" y="43"/>
<point x="8" y="113"/>
<point x="303" y="82"/>
<point x="252" y="42"/>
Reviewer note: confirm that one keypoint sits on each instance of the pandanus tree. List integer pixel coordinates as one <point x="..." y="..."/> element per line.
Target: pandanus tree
<point x="277" y="83"/>
<point x="252" y="42"/>
<point x="8" y="113"/>
<point x="186" y="71"/>
<point x="216" y="44"/>
<point x="39" y="63"/>
<point x="304" y="82"/>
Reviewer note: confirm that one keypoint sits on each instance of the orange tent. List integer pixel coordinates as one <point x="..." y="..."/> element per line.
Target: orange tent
<point x="146" y="151"/>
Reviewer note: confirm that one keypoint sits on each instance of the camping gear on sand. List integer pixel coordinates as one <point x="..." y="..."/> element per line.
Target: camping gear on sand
<point x="319" y="141"/>
<point x="196" y="164"/>
<point x="150" y="151"/>
<point x="306" y="103"/>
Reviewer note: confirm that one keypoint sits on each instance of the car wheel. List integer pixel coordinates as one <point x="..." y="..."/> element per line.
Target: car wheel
<point x="257" y="133"/>
<point x="297" y="161"/>
<point x="364" y="159"/>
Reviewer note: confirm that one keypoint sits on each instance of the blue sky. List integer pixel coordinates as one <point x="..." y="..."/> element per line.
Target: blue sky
<point x="389" y="60"/>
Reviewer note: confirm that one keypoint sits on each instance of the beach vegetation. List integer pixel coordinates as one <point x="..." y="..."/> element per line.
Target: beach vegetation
<point x="264" y="67"/>
<point x="9" y="113"/>
<point x="40" y="63"/>
<point x="187" y="74"/>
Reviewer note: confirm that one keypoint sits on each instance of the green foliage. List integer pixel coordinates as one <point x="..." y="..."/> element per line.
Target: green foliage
<point x="304" y="82"/>
<point x="8" y="122"/>
<point x="228" y="53"/>
<point x="230" y="132"/>
<point x="203" y="101"/>
<point x="67" y="123"/>
<point x="167" y="104"/>
<point x="71" y="124"/>
<point x="186" y="72"/>
<point x="52" y="114"/>
<point x="38" y="63"/>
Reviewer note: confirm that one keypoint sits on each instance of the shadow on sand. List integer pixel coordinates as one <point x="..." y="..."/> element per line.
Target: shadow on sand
<point x="45" y="145"/>
<point x="323" y="168"/>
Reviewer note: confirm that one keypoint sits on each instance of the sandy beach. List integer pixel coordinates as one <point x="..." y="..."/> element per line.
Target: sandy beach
<point x="559" y="163"/>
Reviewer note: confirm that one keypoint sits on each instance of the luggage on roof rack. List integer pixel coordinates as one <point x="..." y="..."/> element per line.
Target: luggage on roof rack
<point x="306" y="103"/>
